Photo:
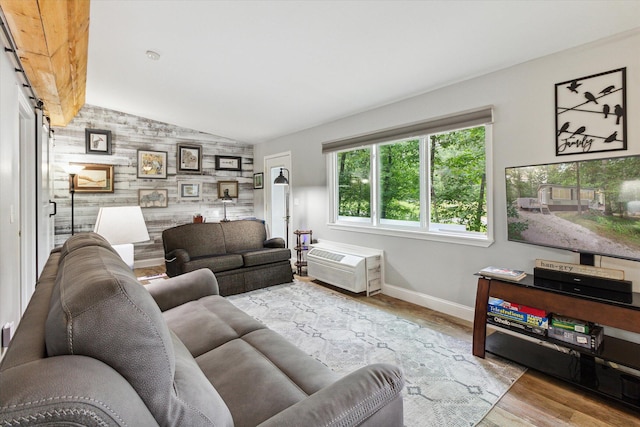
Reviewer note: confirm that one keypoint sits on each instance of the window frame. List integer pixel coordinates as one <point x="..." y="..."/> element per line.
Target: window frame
<point x="423" y="231"/>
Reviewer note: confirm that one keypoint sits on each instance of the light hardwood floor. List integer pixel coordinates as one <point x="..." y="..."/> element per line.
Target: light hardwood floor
<point x="534" y="400"/>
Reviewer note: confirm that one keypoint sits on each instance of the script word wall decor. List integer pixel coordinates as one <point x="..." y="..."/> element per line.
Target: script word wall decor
<point x="591" y="113"/>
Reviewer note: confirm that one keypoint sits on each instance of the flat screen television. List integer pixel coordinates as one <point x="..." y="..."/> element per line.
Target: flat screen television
<point x="590" y="206"/>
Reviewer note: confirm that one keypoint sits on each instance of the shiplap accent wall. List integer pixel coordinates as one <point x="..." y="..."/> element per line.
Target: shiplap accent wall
<point x="131" y="133"/>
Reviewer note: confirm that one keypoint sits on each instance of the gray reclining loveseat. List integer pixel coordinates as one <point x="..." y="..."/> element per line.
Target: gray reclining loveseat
<point x="95" y="348"/>
<point x="238" y="252"/>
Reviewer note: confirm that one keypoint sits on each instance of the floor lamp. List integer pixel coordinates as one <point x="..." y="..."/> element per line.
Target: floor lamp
<point x="73" y="170"/>
<point x="282" y="180"/>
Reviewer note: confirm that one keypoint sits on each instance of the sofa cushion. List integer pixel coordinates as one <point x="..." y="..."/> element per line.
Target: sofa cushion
<point x="199" y="402"/>
<point x="244" y="235"/>
<point x="216" y="263"/>
<point x="257" y="372"/>
<point x="265" y="256"/>
<point x="202" y="239"/>
<point x="99" y="309"/>
<point x="208" y="323"/>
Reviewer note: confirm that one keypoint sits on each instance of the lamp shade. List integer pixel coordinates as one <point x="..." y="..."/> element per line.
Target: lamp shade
<point x="281" y="179"/>
<point x="72" y="169"/>
<point x="121" y="224"/>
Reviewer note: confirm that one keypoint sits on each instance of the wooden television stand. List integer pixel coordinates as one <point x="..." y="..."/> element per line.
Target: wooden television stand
<point x="598" y="371"/>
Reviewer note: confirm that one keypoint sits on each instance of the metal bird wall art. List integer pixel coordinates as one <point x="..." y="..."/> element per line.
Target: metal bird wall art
<point x="591" y="113"/>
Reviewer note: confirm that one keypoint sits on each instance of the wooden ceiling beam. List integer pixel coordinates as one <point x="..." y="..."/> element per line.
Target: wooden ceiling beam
<point x="52" y="41"/>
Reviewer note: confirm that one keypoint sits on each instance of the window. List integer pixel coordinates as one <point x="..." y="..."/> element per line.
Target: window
<point x="457" y="180"/>
<point x="354" y="185"/>
<point x="400" y="183"/>
<point x="432" y="184"/>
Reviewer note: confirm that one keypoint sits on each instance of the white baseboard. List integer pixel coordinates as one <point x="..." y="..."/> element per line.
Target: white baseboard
<point x="152" y="262"/>
<point x="433" y="303"/>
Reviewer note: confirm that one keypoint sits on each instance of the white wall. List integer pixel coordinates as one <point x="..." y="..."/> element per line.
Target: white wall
<point x="523" y="133"/>
<point x="9" y="187"/>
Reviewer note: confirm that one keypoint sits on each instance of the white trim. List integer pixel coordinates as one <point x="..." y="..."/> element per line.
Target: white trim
<point x="27" y="199"/>
<point x="456" y="238"/>
<point x="268" y="163"/>
<point x="438" y="304"/>
<point x="489" y="184"/>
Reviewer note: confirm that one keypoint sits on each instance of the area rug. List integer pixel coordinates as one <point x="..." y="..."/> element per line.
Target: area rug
<point x="445" y="384"/>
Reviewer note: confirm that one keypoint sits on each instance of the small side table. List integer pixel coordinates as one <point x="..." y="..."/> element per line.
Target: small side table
<point x="302" y="246"/>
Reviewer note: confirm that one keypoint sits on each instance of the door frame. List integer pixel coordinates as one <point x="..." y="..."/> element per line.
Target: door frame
<point x="274" y="161"/>
<point x="27" y="199"/>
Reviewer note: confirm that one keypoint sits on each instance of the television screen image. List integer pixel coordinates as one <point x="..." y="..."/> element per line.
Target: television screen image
<point x="590" y="206"/>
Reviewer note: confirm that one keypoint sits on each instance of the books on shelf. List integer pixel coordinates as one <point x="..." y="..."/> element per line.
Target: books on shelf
<point x="535" y="321"/>
<point x="515" y="325"/>
<point x="517" y="307"/>
<point x="503" y="273"/>
<point x="498" y="307"/>
<point x="529" y="319"/>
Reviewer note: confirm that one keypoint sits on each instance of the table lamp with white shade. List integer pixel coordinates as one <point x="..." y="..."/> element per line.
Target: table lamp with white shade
<point x="122" y="226"/>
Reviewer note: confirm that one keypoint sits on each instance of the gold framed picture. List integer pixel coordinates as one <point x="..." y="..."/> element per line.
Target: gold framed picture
<point x="232" y="186"/>
<point x="93" y="178"/>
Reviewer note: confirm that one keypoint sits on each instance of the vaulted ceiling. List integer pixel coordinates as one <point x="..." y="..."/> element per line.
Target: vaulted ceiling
<point x="256" y="70"/>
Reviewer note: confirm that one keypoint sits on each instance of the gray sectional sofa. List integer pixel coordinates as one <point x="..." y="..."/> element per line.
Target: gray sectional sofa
<point x="238" y="252"/>
<point x="96" y="348"/>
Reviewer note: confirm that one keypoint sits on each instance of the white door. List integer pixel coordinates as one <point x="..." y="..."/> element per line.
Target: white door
<point x="28" y="201"/>
<point x="45" y="207"/>
<point x="277" y="197"/>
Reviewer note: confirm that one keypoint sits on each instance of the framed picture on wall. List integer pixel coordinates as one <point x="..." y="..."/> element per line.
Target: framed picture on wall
<point x="228" y="163"/>
<point x="190" y="190"/>
<point x="189" y="158"/>
<point x="258" y="180"/>
<point x="93" y="178"/>
<point x="153" y="198"/>
<point x="152" y="164"/>
<point x="97" y="141"/>
<point x="232" y="186"/>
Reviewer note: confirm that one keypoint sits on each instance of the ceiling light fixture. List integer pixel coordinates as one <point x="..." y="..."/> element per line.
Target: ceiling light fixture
<point x="152" y="55"/>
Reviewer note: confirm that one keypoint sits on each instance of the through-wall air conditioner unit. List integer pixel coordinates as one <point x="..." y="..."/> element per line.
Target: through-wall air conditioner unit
<point x="353" y="268"/>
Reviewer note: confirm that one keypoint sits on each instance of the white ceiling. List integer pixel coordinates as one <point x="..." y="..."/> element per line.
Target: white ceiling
<point x="255" y="70"/>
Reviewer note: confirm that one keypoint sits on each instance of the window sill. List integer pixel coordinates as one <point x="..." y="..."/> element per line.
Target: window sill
<point x="443" y="237"/>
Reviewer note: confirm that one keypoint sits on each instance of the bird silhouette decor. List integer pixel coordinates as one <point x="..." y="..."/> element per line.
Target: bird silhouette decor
<point x="591" y="113"/>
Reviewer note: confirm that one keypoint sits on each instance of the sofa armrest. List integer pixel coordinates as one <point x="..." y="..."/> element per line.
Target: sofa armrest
<point x="181" y="289"/>
<point x="274" y="242"/>
<point x="350" y="401"/>
<point x="174" y="259"/>
<point x="69" y="390"/>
